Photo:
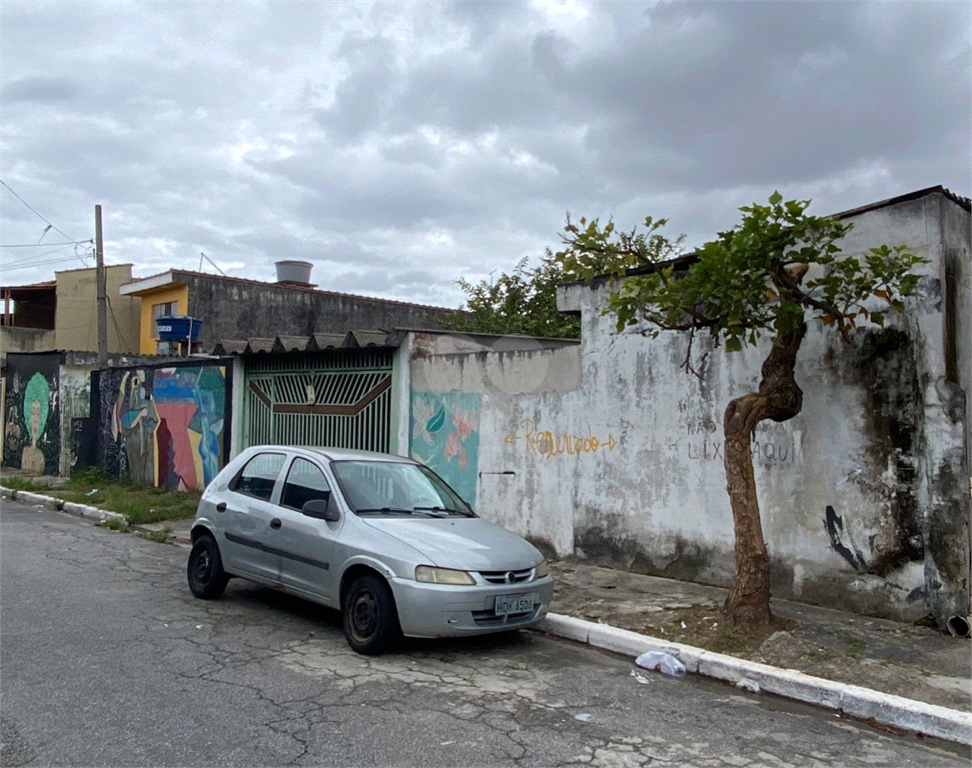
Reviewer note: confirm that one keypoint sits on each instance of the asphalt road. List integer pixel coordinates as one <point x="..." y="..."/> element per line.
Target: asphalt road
<point x="107" y="659"/>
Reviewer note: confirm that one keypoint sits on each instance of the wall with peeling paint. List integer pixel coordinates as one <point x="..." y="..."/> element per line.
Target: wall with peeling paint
<point x="610" y="452"/>
<point x="75" y="404"/>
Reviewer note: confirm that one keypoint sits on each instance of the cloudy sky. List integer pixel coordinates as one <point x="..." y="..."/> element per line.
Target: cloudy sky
<point x="398" y="147"/>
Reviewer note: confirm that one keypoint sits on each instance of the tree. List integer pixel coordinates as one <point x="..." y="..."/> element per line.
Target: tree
<point x="761" y="278"/>
<point x="525" y="301"/>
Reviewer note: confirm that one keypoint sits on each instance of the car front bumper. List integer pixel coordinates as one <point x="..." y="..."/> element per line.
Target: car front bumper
<point x="442" y="610"/>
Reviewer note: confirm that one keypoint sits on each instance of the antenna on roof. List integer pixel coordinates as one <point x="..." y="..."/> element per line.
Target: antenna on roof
<point x="204" y="256"/>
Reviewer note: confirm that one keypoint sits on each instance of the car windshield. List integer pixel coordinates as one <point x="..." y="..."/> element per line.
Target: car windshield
<point x="379" y="487"/>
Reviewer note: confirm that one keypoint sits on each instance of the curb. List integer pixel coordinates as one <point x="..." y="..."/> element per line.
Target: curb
<point x="862" y="703"/>
<point x="71" y="507"/>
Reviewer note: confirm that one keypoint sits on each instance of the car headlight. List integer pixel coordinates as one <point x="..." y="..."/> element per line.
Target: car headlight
<point x="432" y="575"/>
<point x="541" y="570"/>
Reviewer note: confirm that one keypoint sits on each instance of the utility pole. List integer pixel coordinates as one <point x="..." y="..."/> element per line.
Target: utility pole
<point x="102" y="293"/>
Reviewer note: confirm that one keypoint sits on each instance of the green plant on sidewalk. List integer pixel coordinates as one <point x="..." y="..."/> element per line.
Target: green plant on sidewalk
<point x="140" y="504"/>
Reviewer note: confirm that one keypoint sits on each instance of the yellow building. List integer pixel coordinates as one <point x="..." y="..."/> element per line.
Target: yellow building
<point x="76" y="314"/>
<point x="63" y="313"/>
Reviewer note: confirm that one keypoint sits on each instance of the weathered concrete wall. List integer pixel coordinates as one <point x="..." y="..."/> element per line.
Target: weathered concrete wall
<point x="239" y="309"/>
<point x="864" y="495"/>
<point x="75" y="384"/>
<point x="16" y="339"/>
<point x="77" y="310"/>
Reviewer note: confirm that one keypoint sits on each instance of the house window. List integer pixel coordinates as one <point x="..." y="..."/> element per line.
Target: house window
<point x="166" y="309"/>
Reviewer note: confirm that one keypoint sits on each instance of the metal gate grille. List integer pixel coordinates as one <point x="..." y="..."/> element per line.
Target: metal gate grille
<point x="331" y="404"/>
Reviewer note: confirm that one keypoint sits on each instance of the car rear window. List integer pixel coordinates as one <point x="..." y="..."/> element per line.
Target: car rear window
<point x="259" y="475"/>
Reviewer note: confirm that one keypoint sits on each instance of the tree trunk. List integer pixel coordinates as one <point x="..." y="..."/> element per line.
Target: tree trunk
<point x="779" y="398"/>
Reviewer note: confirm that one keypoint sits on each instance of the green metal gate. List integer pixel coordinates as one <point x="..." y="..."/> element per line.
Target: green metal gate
<point x="337" y="399"/>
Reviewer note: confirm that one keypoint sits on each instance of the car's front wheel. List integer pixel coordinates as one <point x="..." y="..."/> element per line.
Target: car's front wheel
<point x="370" y="617"/>
<point x="207" y="579"/>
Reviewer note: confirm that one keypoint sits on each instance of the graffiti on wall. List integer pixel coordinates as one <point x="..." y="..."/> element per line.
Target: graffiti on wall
<point x="548" y="444"/>
<point x="164" y="426"/>
<point x="701" y="443"/>
<point x="445" y="437"/>
<point x="31" y="440"/>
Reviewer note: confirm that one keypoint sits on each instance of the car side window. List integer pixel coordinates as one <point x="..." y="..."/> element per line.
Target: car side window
<point x="259" y="475"/>
<point x="305" y="482"/>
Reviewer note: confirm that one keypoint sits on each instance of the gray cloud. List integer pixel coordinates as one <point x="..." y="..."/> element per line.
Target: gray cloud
<point x="399" y="147"/>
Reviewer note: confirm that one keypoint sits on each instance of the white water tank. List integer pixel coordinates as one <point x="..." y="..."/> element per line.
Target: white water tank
<point x="294" y="272"/>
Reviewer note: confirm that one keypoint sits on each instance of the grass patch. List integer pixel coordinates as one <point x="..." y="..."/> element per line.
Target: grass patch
<point x="157" y="536"/>
<point x="139" y="504"/>
<point x="24" y="484"/>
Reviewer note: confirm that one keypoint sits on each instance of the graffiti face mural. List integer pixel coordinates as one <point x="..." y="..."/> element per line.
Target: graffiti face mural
<point x="37" y="397"/>
<point x="445" y="437"/>
<point x="31" y="439"/>
<point x="167" y="425"/>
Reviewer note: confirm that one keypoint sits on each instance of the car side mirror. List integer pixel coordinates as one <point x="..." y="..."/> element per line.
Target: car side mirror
<point x="322" y="509"/>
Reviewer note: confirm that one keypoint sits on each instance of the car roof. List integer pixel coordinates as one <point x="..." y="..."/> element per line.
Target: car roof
<point x="341" y="454"/>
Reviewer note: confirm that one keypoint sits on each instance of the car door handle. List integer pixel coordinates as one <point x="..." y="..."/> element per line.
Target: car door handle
<point x="221" y="507"/>
<point x="275" y="523"/>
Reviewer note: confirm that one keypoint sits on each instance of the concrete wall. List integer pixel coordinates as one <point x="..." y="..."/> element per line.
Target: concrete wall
<point x="16" y="339"/>
<point x="240" y="309"/>
<point x="77" y="310"/>
<point x="75" y="390"/>
<point x="612" y="453"/>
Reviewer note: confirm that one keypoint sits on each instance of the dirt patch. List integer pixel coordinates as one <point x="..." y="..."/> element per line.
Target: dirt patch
<point x="704" y="627"/>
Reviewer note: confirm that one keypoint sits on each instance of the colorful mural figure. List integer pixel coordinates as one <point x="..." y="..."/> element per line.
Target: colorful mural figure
<point x="167" y="425"/>
<point x="37" y="396"/>
<point x="134" y="424"/>
<point x="31" y="435"/>
<point x="445" y="437"/>
<point x="190" y="403"/>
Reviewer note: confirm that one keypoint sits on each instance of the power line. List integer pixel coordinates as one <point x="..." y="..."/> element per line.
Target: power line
<point x="121" y="337"/>
<point x="46" y="245"/>
<point x="42" y="218"/>
<point x="33" y="260"/>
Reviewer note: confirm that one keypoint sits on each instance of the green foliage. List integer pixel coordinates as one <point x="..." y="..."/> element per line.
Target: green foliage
<point x="524" y="302"/>
<point x="594" y="251"/>
<point x="750" y="281"/>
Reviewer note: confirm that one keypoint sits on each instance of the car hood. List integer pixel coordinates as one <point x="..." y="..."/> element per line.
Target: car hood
<point x="465" y="543"/>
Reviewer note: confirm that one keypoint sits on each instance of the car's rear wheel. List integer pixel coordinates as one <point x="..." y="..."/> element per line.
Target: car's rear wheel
<point x="207" y="579"/>
<point x="370" y="617"/>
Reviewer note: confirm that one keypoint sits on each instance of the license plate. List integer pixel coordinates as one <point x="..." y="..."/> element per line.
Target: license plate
<point x="506" y="604"/>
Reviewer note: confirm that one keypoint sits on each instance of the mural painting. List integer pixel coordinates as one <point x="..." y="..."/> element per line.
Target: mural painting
<point x="164" y="426"/>
<point x="445" y="437"/>
<point x="31" y="439"/>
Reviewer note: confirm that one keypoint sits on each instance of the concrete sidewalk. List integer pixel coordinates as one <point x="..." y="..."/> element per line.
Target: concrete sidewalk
<point x="899" y="676"/>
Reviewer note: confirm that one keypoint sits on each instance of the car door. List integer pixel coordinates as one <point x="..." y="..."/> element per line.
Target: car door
<point x="307" y="544"/>
<point x="252" y="520"/>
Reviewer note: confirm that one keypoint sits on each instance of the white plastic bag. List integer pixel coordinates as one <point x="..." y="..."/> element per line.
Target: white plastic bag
<point x="661" y="662"/>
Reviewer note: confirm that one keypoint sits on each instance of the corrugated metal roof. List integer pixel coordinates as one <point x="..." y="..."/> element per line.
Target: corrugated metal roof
<point x="317" y="342"/>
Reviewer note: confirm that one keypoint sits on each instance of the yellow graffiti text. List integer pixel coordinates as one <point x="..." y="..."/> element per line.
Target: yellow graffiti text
<point x="549" y="444"/>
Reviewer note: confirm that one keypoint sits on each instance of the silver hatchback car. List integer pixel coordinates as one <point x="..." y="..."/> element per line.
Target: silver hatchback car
<point x="380" y="537"/>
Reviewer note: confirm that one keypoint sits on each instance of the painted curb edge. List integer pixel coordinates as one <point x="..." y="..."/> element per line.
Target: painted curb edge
<point x="862" y="703"/>
<point x="71" y="507"/>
